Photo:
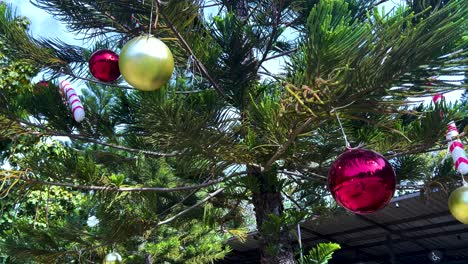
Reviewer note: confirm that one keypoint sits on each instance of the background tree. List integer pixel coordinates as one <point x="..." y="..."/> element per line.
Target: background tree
<point x="169" y="173"/>
<point x="45" y="223"/>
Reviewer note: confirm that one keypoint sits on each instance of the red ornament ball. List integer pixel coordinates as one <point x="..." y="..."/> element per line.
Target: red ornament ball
<point x="41" y="86"/>
<point x="362" y="181"/>
<point x="104" y="65"/>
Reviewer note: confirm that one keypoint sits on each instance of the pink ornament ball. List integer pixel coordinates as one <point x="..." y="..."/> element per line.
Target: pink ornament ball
<point x="104" y="65"/>
<point x="362" y="181"/>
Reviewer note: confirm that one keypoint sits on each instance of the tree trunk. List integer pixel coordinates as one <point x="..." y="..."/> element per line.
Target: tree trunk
<point x="275" y="245"/>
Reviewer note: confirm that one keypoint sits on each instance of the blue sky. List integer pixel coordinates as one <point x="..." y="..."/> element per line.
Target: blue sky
<point x="44" y="25"/>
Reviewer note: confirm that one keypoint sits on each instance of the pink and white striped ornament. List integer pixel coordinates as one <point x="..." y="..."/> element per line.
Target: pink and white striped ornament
<point x="456" y="147"/>
<point x="74" y="101"/>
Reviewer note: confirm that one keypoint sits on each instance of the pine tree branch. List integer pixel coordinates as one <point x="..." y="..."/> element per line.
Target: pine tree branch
<point x="226" y="218"/>
<point x="286" y="53"/>
<point x="290" y="198"/>
<point x="192" y="91"/>
<point x="268" y="73"/>
<point x="369" y="8"/>
<point x="102" y="143"/>
<point x="211" y="195"/>
<point x="276" y="12"/>
<point x="211" y="5"/>
<point x="49" y="132"/>
<point x="199" y="64"/>
<point x="89" y="18"/>
<point x="183" y="200"/>
<point x="180" y="202"/>
<point x="73" y="75"/>
<point x="424" y="148"/>
<point x="124" y="189"/>
<point x="302" y="175"/>
<point x="285" y="146"/>
<point x="123" y="28"/>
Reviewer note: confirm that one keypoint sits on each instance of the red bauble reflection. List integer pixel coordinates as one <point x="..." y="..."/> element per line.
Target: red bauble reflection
<point x="41" y="86"/>
<point x="104" y="65"/>
<point x="362" y="181"/>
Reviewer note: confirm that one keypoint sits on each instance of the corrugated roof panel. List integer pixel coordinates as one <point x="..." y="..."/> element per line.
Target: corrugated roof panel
<point x="405" y="247"/>
<point x="378" y="250"/>
<point x="416" y="226"/>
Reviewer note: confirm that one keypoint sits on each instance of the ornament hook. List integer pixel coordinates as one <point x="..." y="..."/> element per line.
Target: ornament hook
<point x="348" y="146"/>
<point x="154" y="7"/>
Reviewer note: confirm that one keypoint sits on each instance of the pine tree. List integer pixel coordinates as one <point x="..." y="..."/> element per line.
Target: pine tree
<point x="169" y="173"/>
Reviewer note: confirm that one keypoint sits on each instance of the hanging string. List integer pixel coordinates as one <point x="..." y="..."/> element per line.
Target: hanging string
<point x="154" y="7"/>
<point x="299" y="240"/>
<point x="151" y="19"/>
<point x="156" y="15"/>
<point x="334" y="109"/>
<point x="348" y="146"/>
<point x="190" y="70"/>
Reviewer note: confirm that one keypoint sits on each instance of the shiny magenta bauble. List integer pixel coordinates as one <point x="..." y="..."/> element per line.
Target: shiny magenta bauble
<point x="362" y="181"/>
<point x="104" y="65"/>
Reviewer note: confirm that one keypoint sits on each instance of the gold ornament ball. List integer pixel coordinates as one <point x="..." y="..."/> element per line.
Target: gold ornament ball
<point x="146" y="63"/>
<point x="458" y="204"/>
<point x="112" y="258"/>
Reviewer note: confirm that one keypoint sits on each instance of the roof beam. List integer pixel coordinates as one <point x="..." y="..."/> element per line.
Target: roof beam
<point x="322" y="236"/>
<point x="396" y="222"/>
<point x="417" y="237"/>
<point x="391" y="231"/>
<point x="402" y="257"/>
<point x="411" y="229"/>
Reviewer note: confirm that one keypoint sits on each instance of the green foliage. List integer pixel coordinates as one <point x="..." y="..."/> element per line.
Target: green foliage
<point x="15" y="76"/>
<point x="275" y="224"/>
<point x="200" y="244"/>
<point x="411" y="167"/>
<point x="320" y="254"/>
<point x="16" y="44"/>
<point x="237" y="69"/>
<point x="40" y="206"/>
<point x="39" y="213"/>
<point x="337" y="55"/>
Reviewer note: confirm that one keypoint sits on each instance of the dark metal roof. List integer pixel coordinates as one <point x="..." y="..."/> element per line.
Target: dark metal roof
<point x="406" y="230"/>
